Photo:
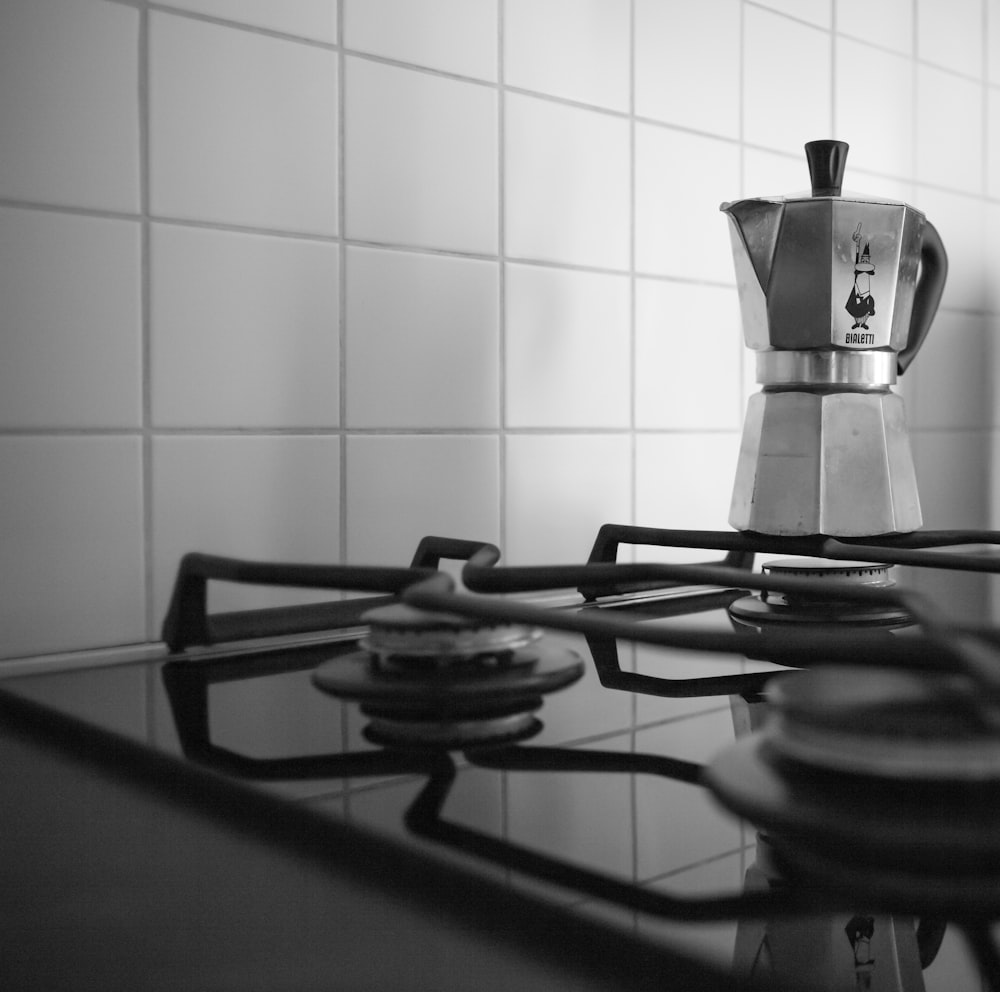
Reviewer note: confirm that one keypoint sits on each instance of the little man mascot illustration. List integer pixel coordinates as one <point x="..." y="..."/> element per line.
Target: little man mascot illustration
<point x="860" y="304"/>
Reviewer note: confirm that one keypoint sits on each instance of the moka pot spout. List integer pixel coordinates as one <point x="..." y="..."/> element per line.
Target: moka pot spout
<point x="753" y="229"/>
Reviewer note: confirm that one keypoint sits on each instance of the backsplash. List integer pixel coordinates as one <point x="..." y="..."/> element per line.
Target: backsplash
<point x="304" y="281"/>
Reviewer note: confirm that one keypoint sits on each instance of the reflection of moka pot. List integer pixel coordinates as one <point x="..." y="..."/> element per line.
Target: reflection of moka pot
<point x="825" y="448"/>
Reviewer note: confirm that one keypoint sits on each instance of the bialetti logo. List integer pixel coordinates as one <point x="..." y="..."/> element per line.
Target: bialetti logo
<point x="860" y="303"/>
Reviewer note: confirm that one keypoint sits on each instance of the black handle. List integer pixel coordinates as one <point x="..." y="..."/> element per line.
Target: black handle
<point x="930" y="286"/>
<point x="826" y="159"/>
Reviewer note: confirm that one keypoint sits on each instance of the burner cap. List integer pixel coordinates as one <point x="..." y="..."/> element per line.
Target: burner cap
<point x="890" y="777"/>
<point x="774" y="608"/>
<point x="452" y="734"/>
<point x="401" y="634"/>
<point x="877" y="723"/>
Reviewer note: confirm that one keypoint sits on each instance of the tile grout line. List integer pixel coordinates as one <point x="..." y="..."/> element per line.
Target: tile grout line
<point x="501" y="279"/>
<point x="985" y="90"/>
<point x="342" y="278"/>
<point x="146" y="335"/>
<point x="345" y="741"/>
<point x="745" y="389"/>
<point x="145" y="290"/>
<point x="633" y="441"/>
<point x="505" y="800"/>
<point x="633" y="350"/>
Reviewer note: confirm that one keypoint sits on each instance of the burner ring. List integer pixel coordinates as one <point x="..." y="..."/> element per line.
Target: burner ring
<point x="890" y="775"/>
<point x="453" y="734"/>
<point x="459" y="705"/>
<point x="786" y="608"/>
<point x="400" y="634"/>
<point x="359" y="676"/>
<point x="903" y="826"/>
<point x="883" y="724"/>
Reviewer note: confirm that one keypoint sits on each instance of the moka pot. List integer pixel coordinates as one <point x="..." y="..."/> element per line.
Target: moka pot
<point x="837" y="294"/>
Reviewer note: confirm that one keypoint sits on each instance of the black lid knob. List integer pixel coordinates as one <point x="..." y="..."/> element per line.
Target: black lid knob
<point x="826" y="159"/>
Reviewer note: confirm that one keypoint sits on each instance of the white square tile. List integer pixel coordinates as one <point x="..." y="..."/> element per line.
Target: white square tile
<point x="684" y="331"/>
<point x="560" y="489"/>
<point x="458" y="36"/>
<point x="244" y="329"/>
<point x="951" y="35"/>
<point x="403" y="488"/>
<point x="888" y="23"/>
<point x="243" y="127"/>
<point x="687" y="64"/>
<point x="992" y="142"/>
<point x="577" y="49"/>
<point x="69" y="107"/>
<point x="993" y="41"/>
<point x="953" y="478"/>
<point x="263" y="498"/>
<point x="991" y="255"/>
<point x="421" y="159"/>
<point x="685" y="481"/>
<point x="680" y="180"/>
<point x="71" y="548"/>
<point x="962" y="223"/>
<point x="817" y="12"/>
<point x="315" y="19"/>
<point x="881" y="142"/>
<point x="952" y="375"/>
<point x="869" y="185"/>
<point x="785" y="102"/>
<point x="567" y="184"/>
<point x="773" y="174"/>
<point x="70" y="334"/>
<point x="567" y="348"/>
<point x="422" y="340"/>
<point x="949" y="130"/>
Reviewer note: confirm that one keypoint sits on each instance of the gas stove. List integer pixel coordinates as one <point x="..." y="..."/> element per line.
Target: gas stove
<point x="712" y="764"/>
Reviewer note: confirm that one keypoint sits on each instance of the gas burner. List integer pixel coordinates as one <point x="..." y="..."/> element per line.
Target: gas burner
<point x="916" y="727"/>
<point x="402" y="636"/>
<point x="888" y="778"/>
<point x="774" y="608"/>
<point x="438" y="680"/>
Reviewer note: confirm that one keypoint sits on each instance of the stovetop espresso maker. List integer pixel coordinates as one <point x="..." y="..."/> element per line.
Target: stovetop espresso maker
<point x="837" y="293"/>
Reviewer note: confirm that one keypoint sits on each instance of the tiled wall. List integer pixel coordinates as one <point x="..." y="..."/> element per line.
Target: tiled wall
<point x="307" y="280"/>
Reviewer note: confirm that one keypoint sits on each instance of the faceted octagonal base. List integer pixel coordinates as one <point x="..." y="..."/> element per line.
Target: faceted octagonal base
<point x="834" y="463"/>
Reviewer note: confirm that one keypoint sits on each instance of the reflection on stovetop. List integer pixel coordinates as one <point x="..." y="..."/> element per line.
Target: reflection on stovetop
<point x="597" y="795"/>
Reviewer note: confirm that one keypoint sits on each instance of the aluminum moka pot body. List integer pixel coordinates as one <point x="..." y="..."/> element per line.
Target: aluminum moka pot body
<point x="837" y="294"/>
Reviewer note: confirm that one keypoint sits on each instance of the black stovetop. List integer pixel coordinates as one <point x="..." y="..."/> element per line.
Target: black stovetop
<point x="602" y="813"/>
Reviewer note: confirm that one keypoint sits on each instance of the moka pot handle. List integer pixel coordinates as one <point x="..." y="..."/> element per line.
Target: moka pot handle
<point x="927" y="296"/>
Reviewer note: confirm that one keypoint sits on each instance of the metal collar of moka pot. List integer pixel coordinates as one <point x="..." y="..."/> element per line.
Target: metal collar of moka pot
<point x="837" y="293"/>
